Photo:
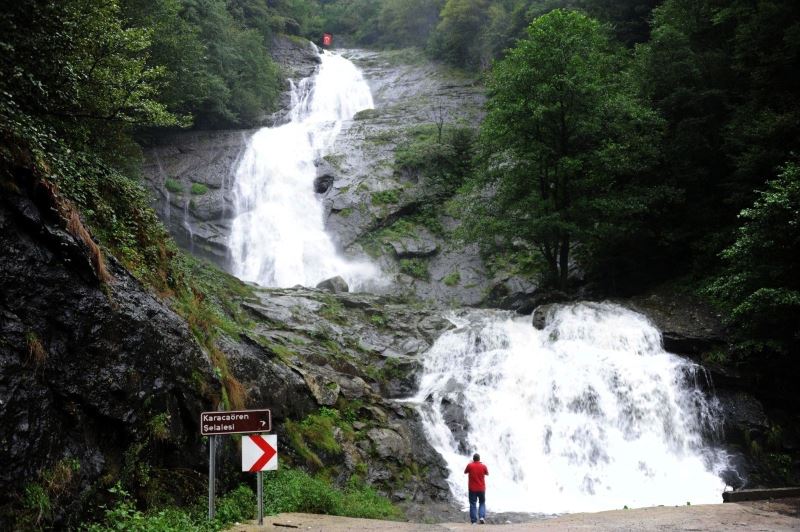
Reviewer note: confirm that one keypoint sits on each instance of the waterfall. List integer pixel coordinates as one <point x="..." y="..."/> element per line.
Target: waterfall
<point x="588" y="414"/>
<point x="278" y="235"/>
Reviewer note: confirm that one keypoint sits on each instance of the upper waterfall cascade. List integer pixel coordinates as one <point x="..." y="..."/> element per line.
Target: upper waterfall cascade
<point x="588" y="414"/>
<point x="278" y="236"/>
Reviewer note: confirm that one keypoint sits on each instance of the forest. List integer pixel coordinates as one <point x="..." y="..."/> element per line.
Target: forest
<point x="626" y="144"/>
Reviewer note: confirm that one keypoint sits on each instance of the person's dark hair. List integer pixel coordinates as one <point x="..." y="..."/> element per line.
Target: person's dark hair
<point x="476" y="457"/>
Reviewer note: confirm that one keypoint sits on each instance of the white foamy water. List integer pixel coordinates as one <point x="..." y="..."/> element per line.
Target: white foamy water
<point x="278" y="236"/>
<point x="588" y="414"/>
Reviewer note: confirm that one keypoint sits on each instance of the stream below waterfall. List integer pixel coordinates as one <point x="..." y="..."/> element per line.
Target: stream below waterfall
<point x="588" y="414"/>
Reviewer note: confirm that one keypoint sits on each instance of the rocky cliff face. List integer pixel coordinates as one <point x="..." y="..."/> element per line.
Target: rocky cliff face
<point x="94" y="378"/>
<point x="102" y="380"/>
<point x="357" y="353"/>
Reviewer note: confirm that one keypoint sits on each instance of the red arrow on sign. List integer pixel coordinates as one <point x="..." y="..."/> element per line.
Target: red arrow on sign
<point x="269" y="452"/>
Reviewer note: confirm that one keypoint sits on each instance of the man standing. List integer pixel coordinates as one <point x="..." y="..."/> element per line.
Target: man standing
<point x="476" y="472"/>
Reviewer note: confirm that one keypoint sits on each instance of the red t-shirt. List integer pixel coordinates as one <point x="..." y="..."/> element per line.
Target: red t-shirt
<point x="476" y="472"/>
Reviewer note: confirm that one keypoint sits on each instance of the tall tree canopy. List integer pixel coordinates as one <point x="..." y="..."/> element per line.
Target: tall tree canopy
<point x="566" y="146"/>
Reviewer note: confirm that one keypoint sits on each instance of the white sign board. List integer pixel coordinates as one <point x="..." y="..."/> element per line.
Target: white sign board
<point x="259" y="452"/>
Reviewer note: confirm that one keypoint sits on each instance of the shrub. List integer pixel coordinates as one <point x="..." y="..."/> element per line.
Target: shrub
<point x="288" y="490"/>
<point x="173" y="185"/>
<point x="452" y="279"/>
<point x="237" y="505"/>
<point x="385" y="197"/>
<point x="416" y="268"/>
<point x="198" y="189"/>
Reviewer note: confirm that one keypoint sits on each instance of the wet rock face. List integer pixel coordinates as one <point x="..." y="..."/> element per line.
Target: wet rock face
<point x="311" y="349"/>
<point x="87" y="372"/>
<point x="689" y="326"/>
<point x="191" y="176"/>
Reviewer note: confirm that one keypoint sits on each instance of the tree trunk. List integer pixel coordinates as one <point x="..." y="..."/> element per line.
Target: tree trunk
<point x="563" y="262"/>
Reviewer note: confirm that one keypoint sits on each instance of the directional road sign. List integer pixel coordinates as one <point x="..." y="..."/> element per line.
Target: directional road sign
<point x="259" y="452"/>
<point x="235" y="422"/>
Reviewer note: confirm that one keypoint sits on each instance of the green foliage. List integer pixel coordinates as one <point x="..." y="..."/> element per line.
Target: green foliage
<point x="288" y="490"/>
<point x="173" y="185"/>
<point x="235" y="506"/>
<point x="385" y="197"/>
<point x="314" y="435"/>
<point x="379" y="320"/>
<point x="159" y="426"/>
<point x="566" y="147"/>
<point x="761" y="285"/>
<point x="452" y="278"/>
<point x="333" y="309"/>
<point x="417" y="268"/>
<point x="441" y="154"/>
<point x="75" y="59"/>
<point x="41" y="498"/>
<point x="456" y="38"/>
<point x="198" y="189"/>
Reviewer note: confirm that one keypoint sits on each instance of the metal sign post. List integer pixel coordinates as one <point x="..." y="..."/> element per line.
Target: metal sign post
<point x="240" y="422"/>
<point x="260" y="498"/>
<point x="211" y="474"/>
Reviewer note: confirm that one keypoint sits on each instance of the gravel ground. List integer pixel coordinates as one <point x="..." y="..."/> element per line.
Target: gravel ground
<point x="767" y="516"/>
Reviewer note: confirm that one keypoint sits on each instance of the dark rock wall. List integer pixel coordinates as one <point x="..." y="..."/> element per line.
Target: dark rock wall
<point x="88" y="372"/>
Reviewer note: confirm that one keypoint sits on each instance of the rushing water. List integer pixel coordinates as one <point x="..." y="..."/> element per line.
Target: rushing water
<point x="588" y="414"/>
<point x="278" y="236"/>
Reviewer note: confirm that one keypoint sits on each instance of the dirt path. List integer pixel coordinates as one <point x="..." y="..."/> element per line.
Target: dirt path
<point x="765" y="516"/>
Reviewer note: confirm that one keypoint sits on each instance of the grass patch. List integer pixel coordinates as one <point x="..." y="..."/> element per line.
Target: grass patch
<point x="198" y="189"/>
<point x="452" y="279"/>
<point x="314" y="434"/>
<point x="378" y="320"/>
<point x="366" y="114"/>
<point x="385" y="197"/>
<point x="333" y="310"/>
<point x="235" y="506"/>
<point x="417" y="268"/>
<point x="335" y="160"/>
<point x="288" y="490"/>
<point x="173" y="185"/>
<point x="37" y="354"/>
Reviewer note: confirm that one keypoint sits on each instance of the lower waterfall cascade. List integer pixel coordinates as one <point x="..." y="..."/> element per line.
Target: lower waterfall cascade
<point x="278" y="235"/>
<point x="588" y="414"/>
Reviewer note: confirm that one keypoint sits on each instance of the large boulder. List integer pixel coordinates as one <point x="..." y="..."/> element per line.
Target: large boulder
<point x="334" y="284"/>
<point x="688" y="325"/>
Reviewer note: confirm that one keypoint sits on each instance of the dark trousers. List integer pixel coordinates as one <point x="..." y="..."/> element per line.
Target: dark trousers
<point x="475" y="496"/>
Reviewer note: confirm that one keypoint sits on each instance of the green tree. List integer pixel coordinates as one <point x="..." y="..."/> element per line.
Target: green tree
<point x="566" y="147"/>
<point x="408" y="22"/>
<point x="73" y="61"/>
<point x="457" y="39"/>
<point x="760" y="287"/>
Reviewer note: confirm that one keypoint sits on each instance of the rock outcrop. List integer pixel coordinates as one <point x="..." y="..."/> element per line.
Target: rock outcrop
<point x="101" y="380"/>
<point x="93" y="377"/>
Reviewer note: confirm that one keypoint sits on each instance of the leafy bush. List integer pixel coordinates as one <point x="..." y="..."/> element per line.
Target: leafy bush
<point x="198" y="189"/>
<point x="416" y="268"/>
<point x="237" y="505"/>
<point x="173" y="185"/>
<point x="385" y="197"/>
<point x="452" y="279"/>
<point x="288" y="490"/>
